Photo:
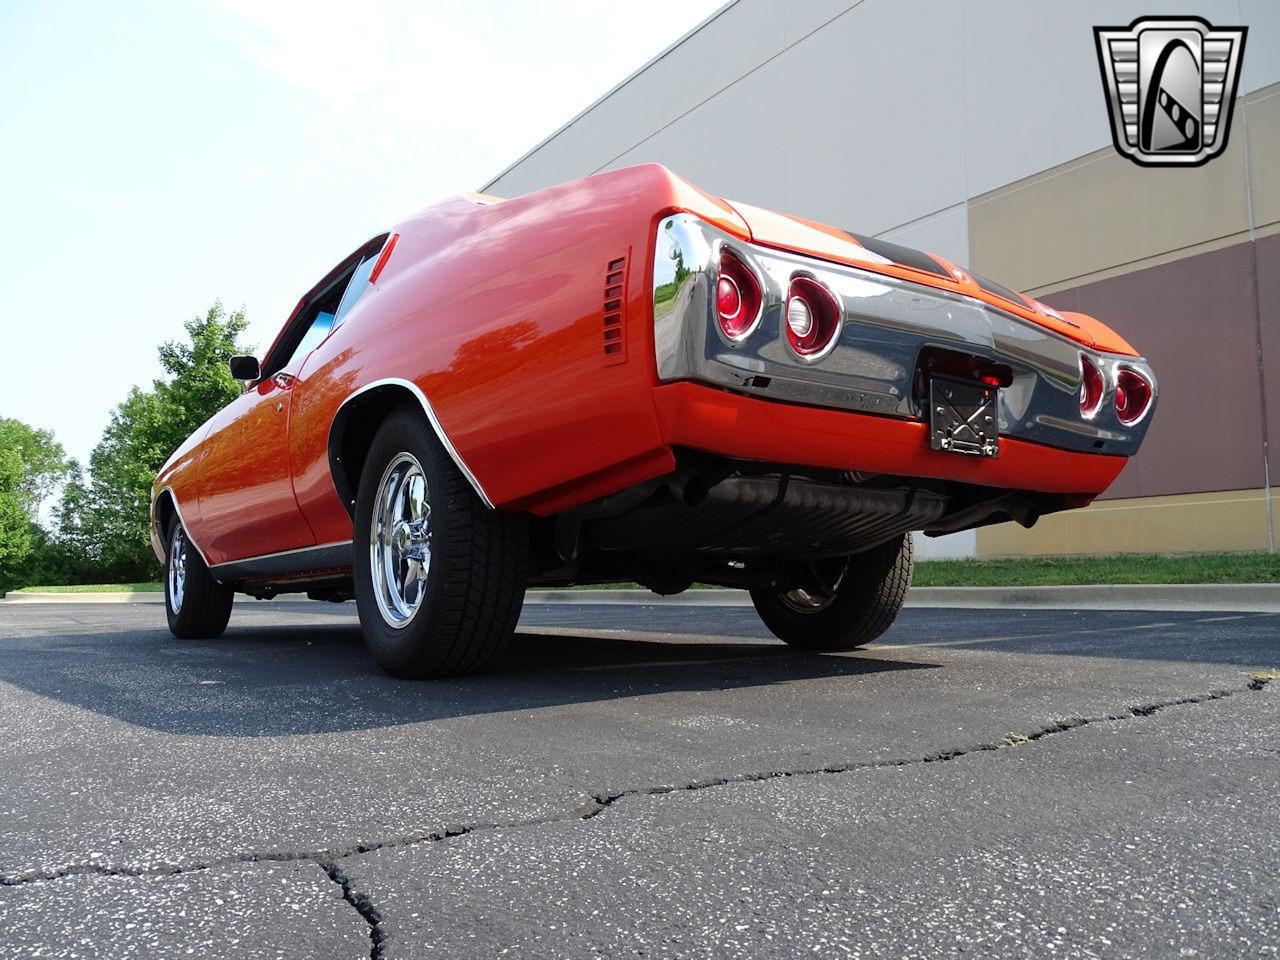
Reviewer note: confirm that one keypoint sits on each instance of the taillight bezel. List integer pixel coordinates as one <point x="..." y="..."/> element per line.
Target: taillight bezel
<point x="751" y="293"/>
<point x="826" y="311"/>
<point x="1089" y="410"/>
<point x="1122" y="371"/>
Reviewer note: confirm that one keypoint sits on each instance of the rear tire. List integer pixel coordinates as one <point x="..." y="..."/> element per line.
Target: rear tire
<point x="861" y="603"/>
<point x="439" y="577"/>
<point x="198" y="606"/>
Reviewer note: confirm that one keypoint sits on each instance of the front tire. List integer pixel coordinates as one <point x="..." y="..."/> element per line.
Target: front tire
<point x="198" y="606"/>
<point x="844" y="606"/>
<point x="439" y="577"/>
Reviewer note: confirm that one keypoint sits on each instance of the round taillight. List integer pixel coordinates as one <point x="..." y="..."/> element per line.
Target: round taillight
<point x="1133" y="395"/>
<point x="739" y="298"/>
<point x="1091" y="387"/>
<point x="728" y="298"/>
<point x="813" y="318"/>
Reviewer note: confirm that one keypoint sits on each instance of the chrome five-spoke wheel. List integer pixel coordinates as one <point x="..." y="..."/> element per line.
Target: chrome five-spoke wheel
<point x="838" y="604"/>
<point x="822" y="582"/>
<point x="400" y="540"/>
<point x="806" y="601"/>
<point x="177" y="569"/>
<point x="439" y="575"/>
<point x="197" y="605"/>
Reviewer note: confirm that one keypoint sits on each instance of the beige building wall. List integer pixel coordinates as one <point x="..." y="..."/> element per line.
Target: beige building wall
<point x="1183" y="523"/>
<point x="1181" y="262"/>
<point x="1100" y="215"/>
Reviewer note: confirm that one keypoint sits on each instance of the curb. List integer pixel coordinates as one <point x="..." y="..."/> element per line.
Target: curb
<point x="17" y="598"/>
<point x="1238" y="598"/>
<point x="1209" y="597"/>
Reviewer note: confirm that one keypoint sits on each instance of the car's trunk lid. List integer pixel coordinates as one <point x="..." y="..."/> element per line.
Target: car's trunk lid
<point x="881" y="256"/>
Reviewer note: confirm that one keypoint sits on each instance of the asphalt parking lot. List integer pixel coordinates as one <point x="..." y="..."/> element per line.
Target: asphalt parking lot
<point x="641" y="782"/>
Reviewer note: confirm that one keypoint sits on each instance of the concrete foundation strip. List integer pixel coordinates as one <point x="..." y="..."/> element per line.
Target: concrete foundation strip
<point x="1238" y="598"/>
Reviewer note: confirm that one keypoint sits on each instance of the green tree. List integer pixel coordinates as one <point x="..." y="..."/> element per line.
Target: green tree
<point x="32" y="465"/>
<point x="72" y="554"/>
<point x="43" y="464"/>
<point x="15" y="526"/>
<point x="112" y="525"/>
<point x="107" y="519"/>
<point x="200" y="382"/>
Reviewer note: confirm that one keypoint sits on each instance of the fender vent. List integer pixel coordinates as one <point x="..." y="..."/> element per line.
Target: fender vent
<point x="615" y="295"/>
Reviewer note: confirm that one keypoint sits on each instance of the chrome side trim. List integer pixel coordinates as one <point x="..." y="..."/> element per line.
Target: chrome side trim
<point x="157" y="544"/>
<point x="435" y="425"/>
<point x="300" y="560"/>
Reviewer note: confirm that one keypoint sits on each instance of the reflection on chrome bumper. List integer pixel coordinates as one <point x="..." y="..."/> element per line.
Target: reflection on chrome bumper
<point x="887" y="323"/>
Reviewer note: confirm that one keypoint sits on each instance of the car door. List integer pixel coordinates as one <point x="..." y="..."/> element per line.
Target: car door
<point x="246" y="492"/>
<point x="247" y="501"/>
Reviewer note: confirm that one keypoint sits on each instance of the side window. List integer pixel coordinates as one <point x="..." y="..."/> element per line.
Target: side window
<point x="324" y="311"/>
<point x="356" y="288"/>
<point x="321" y="324"/>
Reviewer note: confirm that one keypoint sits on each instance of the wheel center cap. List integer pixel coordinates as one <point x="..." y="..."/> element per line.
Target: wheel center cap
<point x="401" y="536"/>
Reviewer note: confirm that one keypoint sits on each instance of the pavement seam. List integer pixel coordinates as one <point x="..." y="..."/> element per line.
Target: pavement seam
<point x="327" y="860"/>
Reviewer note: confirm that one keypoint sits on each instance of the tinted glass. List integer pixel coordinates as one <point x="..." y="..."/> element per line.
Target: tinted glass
<point x="319" y="328"/>
<point x="356" y="288"/>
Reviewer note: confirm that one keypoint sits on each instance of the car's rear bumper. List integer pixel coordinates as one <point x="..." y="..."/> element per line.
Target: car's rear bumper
<point x="718" y="421"/>
<point x="878" y="369"/>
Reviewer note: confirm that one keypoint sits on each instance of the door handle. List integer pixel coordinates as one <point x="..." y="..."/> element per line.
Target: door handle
<point x="284" y="381"/>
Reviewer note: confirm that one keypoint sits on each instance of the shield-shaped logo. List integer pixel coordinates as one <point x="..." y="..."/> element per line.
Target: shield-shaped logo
<point x="1170" y="84"/>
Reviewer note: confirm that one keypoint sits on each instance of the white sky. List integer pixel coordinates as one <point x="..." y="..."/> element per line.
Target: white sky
<point x="157" y="156"/>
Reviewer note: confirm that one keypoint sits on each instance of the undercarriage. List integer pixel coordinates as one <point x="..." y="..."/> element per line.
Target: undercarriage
<point x="742" y="524"/>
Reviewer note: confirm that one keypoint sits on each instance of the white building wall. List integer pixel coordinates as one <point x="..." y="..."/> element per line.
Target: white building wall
<point x="871" y="114"/>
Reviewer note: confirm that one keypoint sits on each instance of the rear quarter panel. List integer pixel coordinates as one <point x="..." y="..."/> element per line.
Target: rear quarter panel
<point x="495" y="313"/>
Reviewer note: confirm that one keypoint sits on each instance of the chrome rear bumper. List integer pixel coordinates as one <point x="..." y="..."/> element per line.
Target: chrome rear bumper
<point x="874" y="366"/>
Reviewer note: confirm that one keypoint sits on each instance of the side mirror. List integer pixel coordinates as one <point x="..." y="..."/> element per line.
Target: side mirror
<point x="245" y="369"/>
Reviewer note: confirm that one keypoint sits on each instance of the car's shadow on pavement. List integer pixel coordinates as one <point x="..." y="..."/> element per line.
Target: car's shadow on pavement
<point x="275" y="680"/>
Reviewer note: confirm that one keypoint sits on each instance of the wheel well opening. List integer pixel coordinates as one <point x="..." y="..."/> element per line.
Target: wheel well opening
<point x="165" y="513"/>
<point x="352" y="435"/>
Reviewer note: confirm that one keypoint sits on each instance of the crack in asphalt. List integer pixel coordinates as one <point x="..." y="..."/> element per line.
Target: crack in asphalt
<point x="328" y="860"/>
<point x="362" y="904"/>
<point x="320" y="857"/>
<point x="1256" y="682"/>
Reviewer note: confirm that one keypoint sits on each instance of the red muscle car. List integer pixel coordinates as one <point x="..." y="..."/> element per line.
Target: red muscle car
<point x="625" y="379"/>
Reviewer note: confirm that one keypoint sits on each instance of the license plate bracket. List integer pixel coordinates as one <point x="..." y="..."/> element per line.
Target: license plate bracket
<point x="964" y="417"/>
